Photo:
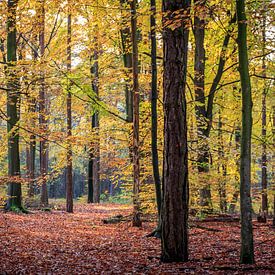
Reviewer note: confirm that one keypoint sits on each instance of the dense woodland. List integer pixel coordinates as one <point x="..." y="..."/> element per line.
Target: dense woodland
<point x="166" y="108"/>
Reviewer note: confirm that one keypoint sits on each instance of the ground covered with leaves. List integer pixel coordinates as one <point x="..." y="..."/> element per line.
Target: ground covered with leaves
<point x="60" y="243"/>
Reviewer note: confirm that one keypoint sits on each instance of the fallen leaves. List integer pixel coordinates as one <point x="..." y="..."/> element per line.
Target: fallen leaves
<point x="80" y="243"/>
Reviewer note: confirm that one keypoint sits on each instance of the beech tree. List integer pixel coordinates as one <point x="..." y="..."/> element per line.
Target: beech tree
<point x="174" y="211"/>
<point x="13" y="99"/>
<point x="69" y="174"/>
<point x="247" y="247"/>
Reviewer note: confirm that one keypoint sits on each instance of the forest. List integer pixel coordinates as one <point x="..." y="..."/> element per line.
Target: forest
<point x="137" y="137"/>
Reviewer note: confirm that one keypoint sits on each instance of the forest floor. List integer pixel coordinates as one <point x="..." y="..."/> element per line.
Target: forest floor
<point x="60" y="243"/>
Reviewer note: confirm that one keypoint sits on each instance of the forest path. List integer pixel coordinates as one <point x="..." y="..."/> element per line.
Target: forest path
<point x="60" y="243"/>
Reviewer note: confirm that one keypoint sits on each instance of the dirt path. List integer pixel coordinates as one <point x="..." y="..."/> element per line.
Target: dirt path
<point x="60" y="243"/>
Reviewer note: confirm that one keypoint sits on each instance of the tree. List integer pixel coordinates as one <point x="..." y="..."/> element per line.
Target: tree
<point x="199" y="67"/>
<point x="136" y="145"/>
<point x="13" y="99"/>
<point x="69" y="174"/>
<point x="154" y="111"/>
<point x="264" y="124"/>
<point x="174" y="212"/>
<point x="127" y="60"/>
<point x="247" y="247"/>
<point x="43" y="108"/>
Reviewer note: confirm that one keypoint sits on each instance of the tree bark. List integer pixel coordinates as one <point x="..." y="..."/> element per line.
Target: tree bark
<point x="247" y="247"/>
<point x="222" y="169"/>
<point x="13" y="98"/>
<point x="273" y="161"/>
<point x="94" y="154"/>
<point x="236" y="193"/>
<point x="154" y="111"/>
<point x="174" y="214"/>
<point x="43" y="108"/>
<point x="127" y="60"/>
<point x="136" y="153"/>
<point x="264" y="157"/>
<point x="199" y="67"/>
<point x="69" y="178"/>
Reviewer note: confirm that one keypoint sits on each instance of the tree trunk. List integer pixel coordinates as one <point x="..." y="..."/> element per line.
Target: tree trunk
<point x="154" y="101"/>
<point x="273" y="161"/>
<point x="127" y="60"/>
<point x="247" y="247"/>
<point x="232" y="206"/>
<point x="136" y="153"/>
<point x="174" y="214"/>
<point x="94" y="154"/>
<point x="31" y="150"/>
<point x="264" y="157"/>
<point x="42" y="108"/>
<point x="222" y="170"/>
<point x="13" y="98"/>
<point x="90" y="176"/>
<point x="199" y="66"/>
<point x="69" y="178"/>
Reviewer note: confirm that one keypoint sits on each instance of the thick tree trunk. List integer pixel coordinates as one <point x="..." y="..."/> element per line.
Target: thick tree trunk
<point x="69" y="178"/>
<point x="13" y="98"/>
<point x="43" y="108"/>
<point x="136" y="153"/>
<point x="247" y="247"/>
<point x="127" y="60"/>
<point x="174" y="214"/>
<point x="264" y="157"/>
<point x="154" y="112"/>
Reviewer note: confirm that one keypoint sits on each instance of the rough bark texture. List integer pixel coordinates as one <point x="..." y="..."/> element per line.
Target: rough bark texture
<point x="154" y="112"/>
<point x="69" y="178"/>
<point x="136" y="153"/>
<point x="247" y="248"/>
<point x="43" y="108"/>
<point x="174" y="214"/>
<point x="13" y="98"/>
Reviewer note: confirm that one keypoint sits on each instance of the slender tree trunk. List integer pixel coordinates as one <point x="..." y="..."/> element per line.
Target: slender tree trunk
<point x="90" y="176"/>
<point x="247" y="247"/>
<point x="199" y="66"/>
<point x="69" y="178"/>
<point x="31" y="151"/>
<point x="42" y="108"/>
<point x="174" y="214"/>
<point x="154" y="101"/>
<point x="236" y="193"/>
<point x="13" y="99"/>
<point x="222" y="169"/>
<point x="264" y="157"/>
<point x="94" y="155"/>
<point x="127" y="60"/>
<point x="136" y="153"/>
